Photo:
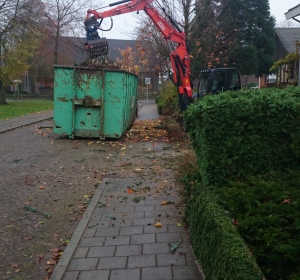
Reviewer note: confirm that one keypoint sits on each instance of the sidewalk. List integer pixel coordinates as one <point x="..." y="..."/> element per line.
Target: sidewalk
<point x="116" y="237"/>
<point x="13" y="123"/>
<point x="149" y="110"/>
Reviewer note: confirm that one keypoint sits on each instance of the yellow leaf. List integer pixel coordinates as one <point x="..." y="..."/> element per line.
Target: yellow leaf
<point x="86" y="196"/>
<point x="164" y="203"/>
<point x="158" y="225"/>
<point x="41" y="187"/>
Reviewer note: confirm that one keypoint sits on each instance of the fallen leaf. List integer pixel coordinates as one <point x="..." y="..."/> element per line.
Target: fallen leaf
<point x="175" y="246"/>
<point x="167" y="202"/>
<point x="54" y="250"/>
<point x="47" y="215"/>
<point x="29" y="208"/>
<point x="235" y="221"/>
<point x="41" y="187"/>
<point x="138" y="198"/>
<point x="130" y="191"/>
<point x="158" y="225"/>
<point x="51" y="262"/>
<point x="39" y="258"/>
<point x="27" y="238"/>
<point x="15" y="265"/>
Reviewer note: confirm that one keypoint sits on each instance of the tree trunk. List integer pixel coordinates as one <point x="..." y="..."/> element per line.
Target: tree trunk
<point x="2" y="95"/>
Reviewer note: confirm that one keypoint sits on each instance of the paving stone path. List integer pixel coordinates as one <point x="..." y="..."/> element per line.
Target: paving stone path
<point x="117" y="237"/>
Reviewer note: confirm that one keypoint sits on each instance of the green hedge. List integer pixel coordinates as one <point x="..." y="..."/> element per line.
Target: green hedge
<point x="266" y="209"/>
<point x="247" y="132"/>
<point x="216" y="242"/>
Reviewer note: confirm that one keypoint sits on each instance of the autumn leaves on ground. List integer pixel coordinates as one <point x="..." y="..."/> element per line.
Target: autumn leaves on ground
<point x="47" y="184"/>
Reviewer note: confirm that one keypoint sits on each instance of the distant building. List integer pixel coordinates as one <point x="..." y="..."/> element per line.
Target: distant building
<point x="71" y="52"/>
<point x="287" y="40"/>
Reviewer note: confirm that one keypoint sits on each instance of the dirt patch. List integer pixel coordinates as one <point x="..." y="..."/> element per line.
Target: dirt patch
<point x="45" y="184"/>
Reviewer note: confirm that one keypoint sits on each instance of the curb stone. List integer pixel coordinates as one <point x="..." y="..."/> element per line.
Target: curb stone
<point x="70" y="249"/>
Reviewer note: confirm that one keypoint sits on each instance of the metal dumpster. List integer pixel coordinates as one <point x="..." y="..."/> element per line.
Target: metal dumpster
<point x="93" y="102"/>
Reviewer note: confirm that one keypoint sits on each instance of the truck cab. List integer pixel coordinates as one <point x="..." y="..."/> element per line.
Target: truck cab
<point x="215" y="81"/>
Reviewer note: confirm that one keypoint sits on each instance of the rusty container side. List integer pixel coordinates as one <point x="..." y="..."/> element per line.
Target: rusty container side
<point x="93" y="102"/>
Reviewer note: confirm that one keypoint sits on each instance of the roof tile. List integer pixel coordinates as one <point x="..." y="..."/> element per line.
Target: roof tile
<point x="288" y="37"/>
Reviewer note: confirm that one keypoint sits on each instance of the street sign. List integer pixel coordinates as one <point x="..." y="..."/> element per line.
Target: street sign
<point x="147" y="81"/>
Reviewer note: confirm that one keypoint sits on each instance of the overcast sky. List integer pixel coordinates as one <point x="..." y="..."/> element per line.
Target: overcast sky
<point x="280" y="7"/>
<point x="124" y="24"/>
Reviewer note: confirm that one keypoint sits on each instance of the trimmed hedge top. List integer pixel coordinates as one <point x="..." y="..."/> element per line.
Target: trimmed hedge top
<point x="236" y="134"/>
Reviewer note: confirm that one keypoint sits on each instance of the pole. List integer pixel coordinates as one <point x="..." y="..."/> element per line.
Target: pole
<point x="147" y="91"/>
<point x="299" y="72"/>
<point x="298" y="52"/>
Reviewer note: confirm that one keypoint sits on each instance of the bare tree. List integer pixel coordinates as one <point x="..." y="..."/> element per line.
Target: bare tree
<point x="288" y="23"/>
<point x="62" y="17"/>
<point x="157" y="49"/>
<point x="183" y="11"/>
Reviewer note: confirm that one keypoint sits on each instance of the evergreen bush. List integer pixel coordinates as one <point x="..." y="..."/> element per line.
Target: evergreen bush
<point x="216" y="242"/>
<point x="246" y="132"/>
<point x="266" y="211"/>
<point x="248" y="149"/>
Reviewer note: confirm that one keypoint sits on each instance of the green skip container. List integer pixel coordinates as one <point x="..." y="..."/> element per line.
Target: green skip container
<point x="97" y="103"/>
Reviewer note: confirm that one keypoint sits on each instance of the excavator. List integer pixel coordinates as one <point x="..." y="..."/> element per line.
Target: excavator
<point x="180" y="57"/>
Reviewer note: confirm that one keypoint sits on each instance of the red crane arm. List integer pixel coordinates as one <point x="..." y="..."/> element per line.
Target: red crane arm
<point x="180" y="57"/>
<point x="163" y="26"/>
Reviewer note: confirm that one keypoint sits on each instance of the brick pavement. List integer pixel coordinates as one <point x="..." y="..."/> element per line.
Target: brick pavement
<point x="116" y="237"/>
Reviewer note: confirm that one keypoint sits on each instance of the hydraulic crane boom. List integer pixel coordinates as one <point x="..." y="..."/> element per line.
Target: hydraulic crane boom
<point x="180" y="57"/>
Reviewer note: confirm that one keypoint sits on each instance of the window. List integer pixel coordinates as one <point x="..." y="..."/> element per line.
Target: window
<point x="218" y="82"/>
<point x="203" y="84"/>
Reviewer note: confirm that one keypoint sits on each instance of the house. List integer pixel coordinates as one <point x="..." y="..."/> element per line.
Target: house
<point x="71" y="52"/>
<point x="287" y="42"/>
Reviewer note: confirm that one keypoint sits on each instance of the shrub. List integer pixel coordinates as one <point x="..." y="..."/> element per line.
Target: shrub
<point x="216" y="242"/>
<point x="266" y="210"/>
<point x="248" y="148"/>
<point x="247" y="132"/>
<point x="167" y="100"/>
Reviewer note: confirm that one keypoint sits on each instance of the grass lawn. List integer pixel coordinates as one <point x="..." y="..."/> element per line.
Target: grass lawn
<point x="24" y="107"/>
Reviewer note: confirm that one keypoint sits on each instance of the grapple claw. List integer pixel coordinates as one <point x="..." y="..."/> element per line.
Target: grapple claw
<point x="96" y="48"/>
